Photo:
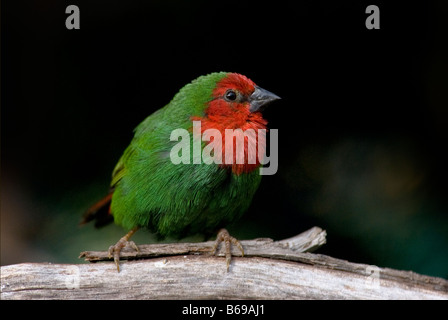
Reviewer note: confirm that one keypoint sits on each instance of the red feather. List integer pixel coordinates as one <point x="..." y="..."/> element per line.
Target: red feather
<point x="234" y="81"/>
<point x="222" y="115"/>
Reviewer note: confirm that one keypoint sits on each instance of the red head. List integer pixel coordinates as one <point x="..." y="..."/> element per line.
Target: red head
<point x="237" y="103"/>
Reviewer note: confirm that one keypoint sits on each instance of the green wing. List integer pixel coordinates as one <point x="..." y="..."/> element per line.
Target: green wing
<point x="149" y="124"/>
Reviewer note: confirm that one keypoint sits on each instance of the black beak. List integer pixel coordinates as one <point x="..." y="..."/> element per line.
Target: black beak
<point x="260" y="98"/>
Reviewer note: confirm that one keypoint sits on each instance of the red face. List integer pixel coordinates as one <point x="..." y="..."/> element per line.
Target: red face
<point x="235" y="87"/>
<point x="238" y="93"/>
<point x="230" y="109"/>
<point x="230" y="106"/>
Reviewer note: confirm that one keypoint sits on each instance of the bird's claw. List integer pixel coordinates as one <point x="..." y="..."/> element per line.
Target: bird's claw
<point x="115" y="250"/>
<point x="224" y="236"/>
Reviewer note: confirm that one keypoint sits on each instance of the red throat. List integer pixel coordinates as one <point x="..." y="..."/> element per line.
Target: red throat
<point x="221" y="115"/>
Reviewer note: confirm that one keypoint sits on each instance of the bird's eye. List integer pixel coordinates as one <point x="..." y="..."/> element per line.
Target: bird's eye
<point x="230" y="95"/>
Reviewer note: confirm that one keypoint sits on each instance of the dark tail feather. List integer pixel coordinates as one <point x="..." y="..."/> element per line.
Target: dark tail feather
<point x="100" y="212"/>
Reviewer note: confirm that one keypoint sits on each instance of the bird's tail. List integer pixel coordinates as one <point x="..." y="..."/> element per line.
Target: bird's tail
<point x="100" y="212"/>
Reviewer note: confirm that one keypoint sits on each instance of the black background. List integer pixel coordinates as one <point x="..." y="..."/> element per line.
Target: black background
<point x="362" y="121"/>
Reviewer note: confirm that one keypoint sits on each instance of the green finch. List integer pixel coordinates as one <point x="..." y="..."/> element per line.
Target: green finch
<point x="172" y="199"/>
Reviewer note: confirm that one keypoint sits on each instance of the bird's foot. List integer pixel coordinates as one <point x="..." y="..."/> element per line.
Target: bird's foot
<point x="224" y="236"/>
<point x="115" y="250"/>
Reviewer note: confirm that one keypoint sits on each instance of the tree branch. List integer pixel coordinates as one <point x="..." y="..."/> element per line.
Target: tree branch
<point x="307" y="241"/>
<point x="269" y="270"/>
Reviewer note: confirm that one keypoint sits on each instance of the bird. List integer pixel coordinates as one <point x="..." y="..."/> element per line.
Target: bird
<point x="149" y="190"/>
